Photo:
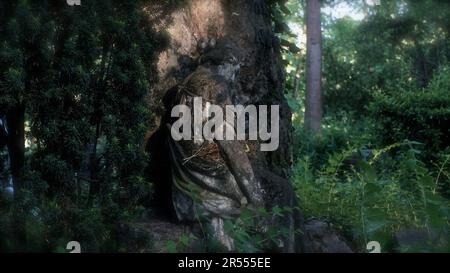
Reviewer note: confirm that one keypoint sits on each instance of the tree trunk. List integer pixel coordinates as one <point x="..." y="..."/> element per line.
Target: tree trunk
<point x="16" y="146"/>
<point x="16" y="149"/>
<point x="313" y="106"/>
<point x="203" y="31"/>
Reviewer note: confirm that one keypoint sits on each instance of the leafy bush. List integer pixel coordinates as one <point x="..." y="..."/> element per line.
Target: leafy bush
<point x="419" y="115"/>
<point x="340" y="131"/>
<point x="246" y="232"/>
<point x="375" y="197"/>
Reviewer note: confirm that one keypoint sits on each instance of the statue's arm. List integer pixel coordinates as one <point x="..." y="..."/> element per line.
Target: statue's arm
<point x="234" y="154"/>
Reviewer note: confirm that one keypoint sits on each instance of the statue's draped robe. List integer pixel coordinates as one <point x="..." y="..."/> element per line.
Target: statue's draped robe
<point x="204" y="184"/>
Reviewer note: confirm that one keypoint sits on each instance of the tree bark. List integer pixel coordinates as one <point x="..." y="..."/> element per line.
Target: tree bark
<point x="16" y="145"/>
<point x="16" y="149"/>
<point x="313" y="106"/>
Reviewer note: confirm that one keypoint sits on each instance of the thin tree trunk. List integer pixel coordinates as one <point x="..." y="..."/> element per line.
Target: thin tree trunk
<point x="16" y="149"/>
<point x="93" y="167"/>
<point x="313" y="107"/>
<point x="95" y="186"/>
<point x="16" y="146"/>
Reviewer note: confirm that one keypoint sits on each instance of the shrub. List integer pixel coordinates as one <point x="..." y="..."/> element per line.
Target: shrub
<point x="371" y="200"/>
<point x="419" y="115"/>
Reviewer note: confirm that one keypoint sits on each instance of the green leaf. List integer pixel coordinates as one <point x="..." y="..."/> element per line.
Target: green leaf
<point x="171" y="247"/>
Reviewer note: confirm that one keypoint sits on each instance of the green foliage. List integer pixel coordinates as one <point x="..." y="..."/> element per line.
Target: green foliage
<point x="419" y="115"/>
<point x="82" y="74"/>
<point x="249" y="232"/>
<point x="183" y="244"/>
<point x="345" y="82"/>
<point x="246" y="230"/>
<point x="51" y="225"/>
<point x="381" y="165"/>
<point x="374" y="196"/>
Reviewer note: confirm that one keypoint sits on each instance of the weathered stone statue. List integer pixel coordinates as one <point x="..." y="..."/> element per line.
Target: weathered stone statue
<point x="226" y="53"/>
<point x="212" y="179"/>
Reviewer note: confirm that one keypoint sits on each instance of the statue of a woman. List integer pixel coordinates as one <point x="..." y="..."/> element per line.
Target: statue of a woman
<point x="212" y="179"/>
